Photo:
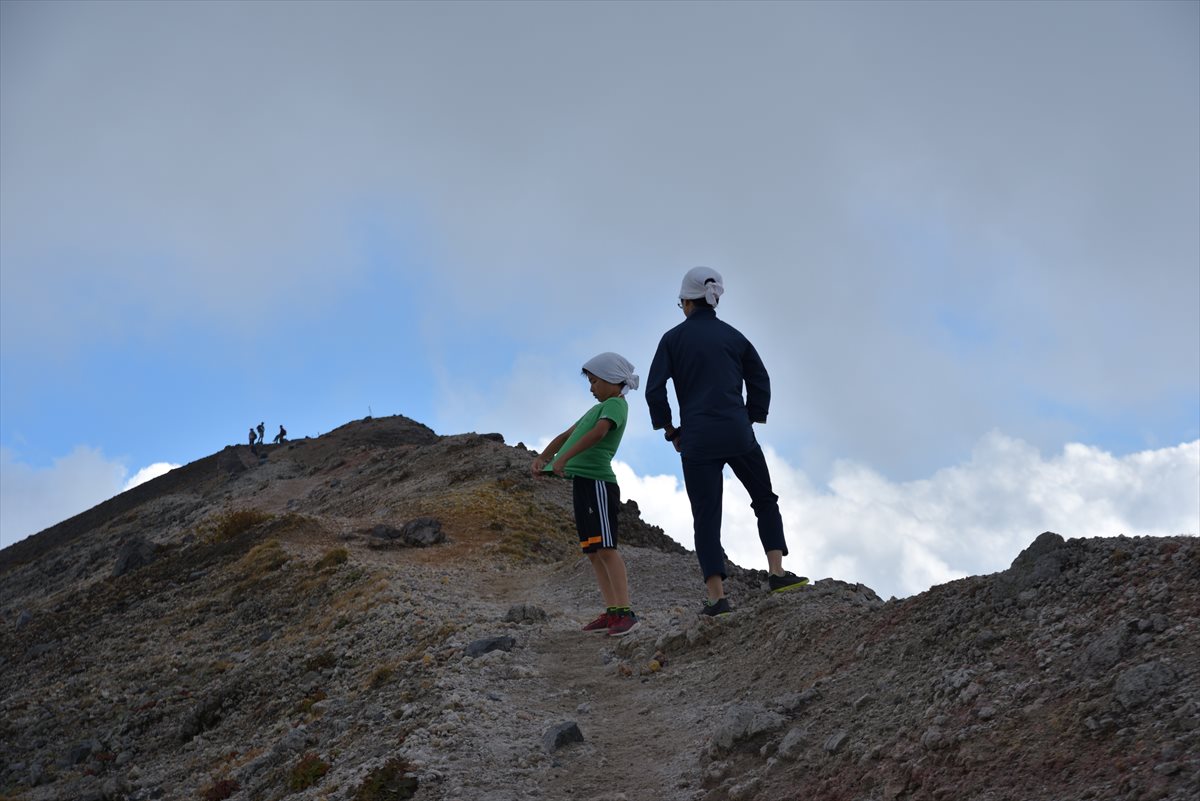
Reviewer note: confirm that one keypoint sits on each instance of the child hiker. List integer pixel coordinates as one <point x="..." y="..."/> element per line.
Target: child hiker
<point x="584" y="454"/>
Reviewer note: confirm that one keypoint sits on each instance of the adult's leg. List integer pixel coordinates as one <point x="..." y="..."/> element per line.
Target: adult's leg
<point x="751" y="469"/>
<point x="702" y="479"/>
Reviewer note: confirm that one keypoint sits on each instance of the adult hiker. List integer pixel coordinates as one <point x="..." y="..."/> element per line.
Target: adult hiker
<point x="281" y="437"/>
<point x="262" y="431"/>
<point x="708" y="361"/>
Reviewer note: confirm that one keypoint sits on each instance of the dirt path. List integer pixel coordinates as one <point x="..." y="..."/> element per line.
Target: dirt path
<point x="643" y="733"/>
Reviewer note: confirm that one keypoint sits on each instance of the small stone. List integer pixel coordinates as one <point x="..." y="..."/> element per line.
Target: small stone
<point x="970" y="692"/>
<point x="932" y="739"/>
<point x="744" y="791"/>
<point x="835" y="741"/>
<point x="792" y="743"/>
<point x="987" y="638"/>
<point x="561" y="735"/>
<point x="525" y="613"/>
<point x="488" y="644"/>
<point x="987" y="713"/>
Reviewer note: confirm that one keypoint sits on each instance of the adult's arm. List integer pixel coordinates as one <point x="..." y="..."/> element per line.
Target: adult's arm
<point x="656" y="387"/>
<point x="758" y="385"/>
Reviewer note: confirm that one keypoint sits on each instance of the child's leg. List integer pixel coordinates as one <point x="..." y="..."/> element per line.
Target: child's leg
<point x="604" y="580"/>
<point x="609" y="562"/>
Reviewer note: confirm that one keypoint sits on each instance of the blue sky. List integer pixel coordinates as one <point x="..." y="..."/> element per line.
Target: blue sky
<point x="962" y="236"/>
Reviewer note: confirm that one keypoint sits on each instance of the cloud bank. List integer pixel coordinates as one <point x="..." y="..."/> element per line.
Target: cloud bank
<point x="900" y="538"/>
<point x="32" y="499"/>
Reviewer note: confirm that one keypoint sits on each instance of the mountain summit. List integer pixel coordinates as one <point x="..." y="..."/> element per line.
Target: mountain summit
<point x="385" y="613"/>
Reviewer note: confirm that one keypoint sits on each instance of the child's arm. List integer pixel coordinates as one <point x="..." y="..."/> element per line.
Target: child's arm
<point x="602" y="427"/>
<point x="545" y="456"/>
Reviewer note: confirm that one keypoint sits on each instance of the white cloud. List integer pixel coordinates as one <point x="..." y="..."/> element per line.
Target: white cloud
<point x="32" y="499"/>
<point x="146" y="473"/>
<point x="902" y="537"/>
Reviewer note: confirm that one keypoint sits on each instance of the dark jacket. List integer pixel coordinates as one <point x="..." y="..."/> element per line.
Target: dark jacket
<point x="708" y="360"/>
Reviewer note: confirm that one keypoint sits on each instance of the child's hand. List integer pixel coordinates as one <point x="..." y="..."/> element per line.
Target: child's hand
<point x="538" y="463"/>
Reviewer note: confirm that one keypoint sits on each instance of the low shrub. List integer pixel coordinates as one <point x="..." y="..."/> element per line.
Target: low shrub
<point x="333" y="558"/>
<point x="234" y="522"/>
<point x="389" y="783"/>
<point x="380" y="676"/>
<point x="220" y="790"/>
<point x="321" y="661"/>
<point x="307" y="772"/>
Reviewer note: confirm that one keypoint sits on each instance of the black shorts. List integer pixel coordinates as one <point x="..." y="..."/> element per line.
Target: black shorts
<point x="596" y="504"/>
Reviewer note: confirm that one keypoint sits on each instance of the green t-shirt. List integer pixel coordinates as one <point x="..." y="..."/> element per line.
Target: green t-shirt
<point x="596" y="461"/>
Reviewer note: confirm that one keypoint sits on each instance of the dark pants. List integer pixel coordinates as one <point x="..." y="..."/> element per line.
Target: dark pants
<point x="702" y="478"/>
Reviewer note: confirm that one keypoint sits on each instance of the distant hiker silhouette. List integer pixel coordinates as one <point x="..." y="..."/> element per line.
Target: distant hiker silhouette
<point x="262" y="430"/>
<point x="281" y="437"/>
<point x="253" y="448"/>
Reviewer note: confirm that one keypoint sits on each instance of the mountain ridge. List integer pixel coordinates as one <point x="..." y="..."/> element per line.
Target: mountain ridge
<point x="383" y="612"/>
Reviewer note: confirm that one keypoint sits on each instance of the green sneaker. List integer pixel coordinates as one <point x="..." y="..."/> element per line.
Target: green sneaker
<point x="716" y="608"/>
<point x="786" y="582"/>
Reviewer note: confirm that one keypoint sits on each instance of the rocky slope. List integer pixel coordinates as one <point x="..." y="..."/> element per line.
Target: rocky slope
<point x="383" y="613"/>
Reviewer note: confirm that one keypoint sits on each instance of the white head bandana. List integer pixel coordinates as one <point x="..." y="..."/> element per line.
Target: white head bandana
<point x="696" y="284"/>
<point x="613" y="368"/>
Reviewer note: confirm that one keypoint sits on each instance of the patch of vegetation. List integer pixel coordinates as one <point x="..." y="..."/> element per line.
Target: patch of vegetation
<point x="290" y="522"/>
<point x="307" y="772"/>
<point x="314" y="697"/>
<point x="321" y="661"/>
<point x="506" y="514"/>
<point x="232" y="523"/>
<point x="220" y="790"/>
<point x="262" y="559"/>
<point x="332" y="558"/>
<point x="392" y="782"/>
<point x="380" y="676"/>
<point x="358" y="598"/>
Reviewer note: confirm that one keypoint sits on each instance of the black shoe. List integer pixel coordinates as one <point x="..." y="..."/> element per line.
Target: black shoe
<point x="788" y="581"/>
<point x="716" y="608"/>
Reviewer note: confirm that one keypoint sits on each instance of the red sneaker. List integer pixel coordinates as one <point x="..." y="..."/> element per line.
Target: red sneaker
<point x="600" y="623"/>
<point x="620" y="625"/>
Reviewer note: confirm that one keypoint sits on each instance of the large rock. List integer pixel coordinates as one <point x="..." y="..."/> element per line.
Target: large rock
<point x="1044" y="560"/>
<point x="1139" y="685"/>
<point x="420" y="532"/>
<point x="135" y="553"/>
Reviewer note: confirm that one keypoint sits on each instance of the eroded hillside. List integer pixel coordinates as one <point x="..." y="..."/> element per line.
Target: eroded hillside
<point x="383" y="613"/>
